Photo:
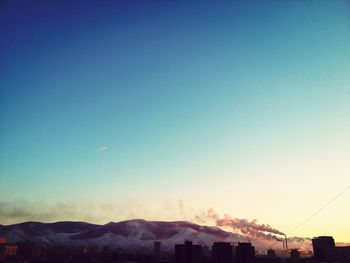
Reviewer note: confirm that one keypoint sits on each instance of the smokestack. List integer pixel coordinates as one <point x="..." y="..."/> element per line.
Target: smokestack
<point x="285" y="237"/>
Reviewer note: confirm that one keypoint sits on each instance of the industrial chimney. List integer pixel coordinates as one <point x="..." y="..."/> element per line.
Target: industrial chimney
<point x="285" y="238"/>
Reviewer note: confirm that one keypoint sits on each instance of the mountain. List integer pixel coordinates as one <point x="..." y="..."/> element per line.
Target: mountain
<point x="135" y="234"/>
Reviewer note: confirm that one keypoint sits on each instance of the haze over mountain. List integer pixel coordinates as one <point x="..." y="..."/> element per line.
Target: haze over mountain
<point x="137" y="234"/>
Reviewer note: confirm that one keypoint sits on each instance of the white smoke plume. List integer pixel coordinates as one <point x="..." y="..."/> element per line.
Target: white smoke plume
<point x="244" y="226"/>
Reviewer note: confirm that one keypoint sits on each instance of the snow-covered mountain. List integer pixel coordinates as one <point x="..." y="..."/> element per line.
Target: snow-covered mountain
<point x="135" y="234"/>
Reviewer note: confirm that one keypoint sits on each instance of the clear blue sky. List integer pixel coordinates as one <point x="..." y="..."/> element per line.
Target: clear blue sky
<point x="223" y="104"/>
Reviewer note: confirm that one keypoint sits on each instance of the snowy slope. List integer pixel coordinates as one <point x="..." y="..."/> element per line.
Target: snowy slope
<point x="135" y="234"/>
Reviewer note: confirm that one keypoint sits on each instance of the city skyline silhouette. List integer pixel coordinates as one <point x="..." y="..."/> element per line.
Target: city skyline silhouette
<point x="158" y="242"/>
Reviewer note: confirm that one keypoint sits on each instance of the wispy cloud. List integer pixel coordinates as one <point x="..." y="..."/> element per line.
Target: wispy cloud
<point x="90" y="211"/>
<point x="105" y="147"/>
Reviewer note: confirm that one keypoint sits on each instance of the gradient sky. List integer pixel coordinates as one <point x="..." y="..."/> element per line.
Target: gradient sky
<point x="111" y="110"/>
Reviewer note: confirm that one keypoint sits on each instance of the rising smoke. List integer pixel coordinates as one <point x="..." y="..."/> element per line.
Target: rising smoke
<point x="244" y="226"/>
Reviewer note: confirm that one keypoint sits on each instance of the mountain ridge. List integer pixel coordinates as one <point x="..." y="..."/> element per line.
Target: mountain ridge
<point x="138" y="234"/>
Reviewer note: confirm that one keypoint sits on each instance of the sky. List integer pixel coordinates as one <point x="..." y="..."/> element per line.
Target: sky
<point x="113" y="110"/>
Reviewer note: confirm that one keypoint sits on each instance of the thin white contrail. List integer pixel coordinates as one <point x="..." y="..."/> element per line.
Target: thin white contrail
<point x="102" y="148"/>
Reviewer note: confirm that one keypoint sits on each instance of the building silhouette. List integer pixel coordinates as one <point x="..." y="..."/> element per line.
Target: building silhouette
<point x="28" y="249"/>
<point x="294" y="255"/>
<point x="271" y="253"/>
<point x="156" y="248"/>
<point x="3" y="242"/>
<point x="206" y="253"/>
<point x="106" y="255"/>
<point x="245" y="253"/>
<point x="11" y="250"/>
<point x="188" y="253"/>
<point x="320" y="245"/>
<point x="222" y="252"/>
<point x="326" y="251"/>
<point x="337" y="254"/>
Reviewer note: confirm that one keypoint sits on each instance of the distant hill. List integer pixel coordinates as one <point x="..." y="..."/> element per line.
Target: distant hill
<point x="135" y="234"/>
